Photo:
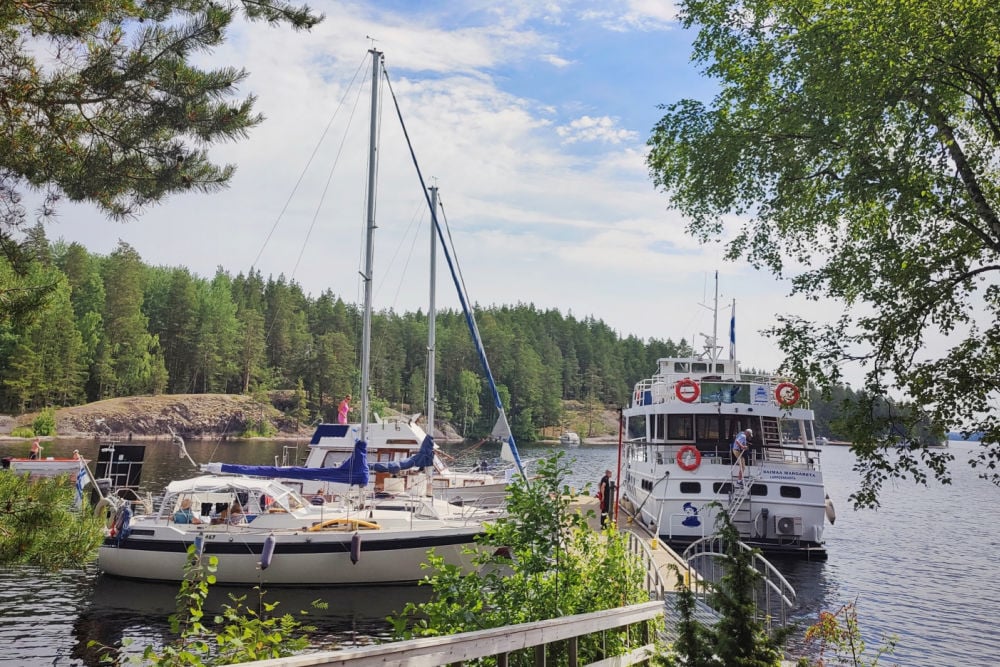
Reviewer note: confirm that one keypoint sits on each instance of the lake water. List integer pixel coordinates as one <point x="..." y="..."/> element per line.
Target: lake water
<point x="922" y="567"/>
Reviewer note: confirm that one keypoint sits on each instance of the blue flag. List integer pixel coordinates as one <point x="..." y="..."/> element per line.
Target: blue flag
<point x="732" y="333"/>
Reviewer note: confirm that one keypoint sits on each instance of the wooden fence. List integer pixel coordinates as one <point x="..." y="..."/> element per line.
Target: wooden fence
<point x="539" y="638"/>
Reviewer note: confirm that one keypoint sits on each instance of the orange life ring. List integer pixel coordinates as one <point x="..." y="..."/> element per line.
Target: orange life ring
<point x="682" y="460"/>
<point x="687" y="396"/>
<point x="787" y="394"/>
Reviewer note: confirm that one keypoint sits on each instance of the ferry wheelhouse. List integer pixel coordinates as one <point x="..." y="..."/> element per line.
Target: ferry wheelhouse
<point x="680" y="471"/>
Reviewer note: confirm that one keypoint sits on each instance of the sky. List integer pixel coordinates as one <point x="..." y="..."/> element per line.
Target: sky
<point x="532" y="119"/>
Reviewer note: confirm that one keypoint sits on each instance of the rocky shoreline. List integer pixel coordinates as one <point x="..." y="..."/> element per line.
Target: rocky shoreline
<point x="198" y="416"/>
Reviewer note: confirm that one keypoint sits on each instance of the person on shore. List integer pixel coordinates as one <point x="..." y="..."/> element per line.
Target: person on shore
<point x="36" y="450"/>
<point x="185" y="514"/>
<point x="740" y="446"/>
<point x="605" y="491"/>
<point x="344" y="409"/>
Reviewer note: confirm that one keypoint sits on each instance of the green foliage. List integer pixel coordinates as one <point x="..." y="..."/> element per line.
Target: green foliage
<point x="22" y="432"/>
<point x="38" y="525"/>
<point x="237" y="634"/>
<point x="103" y="104"/>
<point x="861" y="145"/>
<point x="839" y="638"/>
<point x="540" y="561"/>
<point x="738" y="639"/>
<point x="45" y="422"/>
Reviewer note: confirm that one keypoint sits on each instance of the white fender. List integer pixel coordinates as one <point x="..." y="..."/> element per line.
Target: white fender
<point x="831" y="512"/>
<point x="267" y="552"/>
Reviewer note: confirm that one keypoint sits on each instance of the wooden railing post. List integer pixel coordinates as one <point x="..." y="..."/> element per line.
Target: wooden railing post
<point x="574" y="645"/>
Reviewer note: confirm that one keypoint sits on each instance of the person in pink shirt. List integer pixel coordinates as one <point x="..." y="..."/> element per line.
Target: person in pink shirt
<point x="345" y="407"/>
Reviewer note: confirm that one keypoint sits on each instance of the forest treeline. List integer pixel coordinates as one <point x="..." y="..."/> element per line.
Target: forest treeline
<point x="113" y="326"/>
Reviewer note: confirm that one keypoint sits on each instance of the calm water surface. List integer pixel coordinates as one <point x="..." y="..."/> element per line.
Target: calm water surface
<point x="922" y="567"/>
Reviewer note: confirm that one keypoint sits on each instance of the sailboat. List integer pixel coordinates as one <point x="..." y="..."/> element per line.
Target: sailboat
<point x="271" y="534"/>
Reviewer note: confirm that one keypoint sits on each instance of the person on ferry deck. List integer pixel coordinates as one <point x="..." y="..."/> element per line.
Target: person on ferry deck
<point x="740" y="446"/>
<point x="36" y="450"/>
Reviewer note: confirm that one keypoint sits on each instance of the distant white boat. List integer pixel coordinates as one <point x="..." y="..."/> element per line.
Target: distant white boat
<point x="569" y="439"/>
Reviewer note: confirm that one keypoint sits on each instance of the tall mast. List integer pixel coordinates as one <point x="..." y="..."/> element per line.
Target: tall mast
<point x="366" y="328"/>
<point x="715" y="322"/>
<point x="431" y="316"/>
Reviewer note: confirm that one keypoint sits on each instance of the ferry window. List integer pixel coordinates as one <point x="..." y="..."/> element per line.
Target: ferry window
<point x="680" y="367"/>
<point x="708" y="428"/>
<point x="720" y="368"/>
<point x="637" y="427"/>
<point x="791" y="492"/>
<point x="758" y="490"/>
<point x="699" y="368"/>
<point x="690" y="487"/>
<point x="680" y="427"/>
<point x="723" y="488"/>
<point x="658" y="427"/>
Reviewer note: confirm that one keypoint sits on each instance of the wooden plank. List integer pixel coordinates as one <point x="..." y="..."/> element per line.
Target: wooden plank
<point x="437" y="651"/>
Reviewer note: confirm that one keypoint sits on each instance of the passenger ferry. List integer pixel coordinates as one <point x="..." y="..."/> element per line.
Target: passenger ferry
<point x="680" y="470"/>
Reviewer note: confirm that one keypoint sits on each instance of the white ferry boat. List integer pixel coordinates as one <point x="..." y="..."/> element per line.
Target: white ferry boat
<point x="680" y="471"/>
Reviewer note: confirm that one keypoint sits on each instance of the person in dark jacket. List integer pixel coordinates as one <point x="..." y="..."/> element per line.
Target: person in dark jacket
<point x="605" y="496"/>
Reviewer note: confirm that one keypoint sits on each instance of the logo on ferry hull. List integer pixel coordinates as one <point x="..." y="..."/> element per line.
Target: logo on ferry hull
<point x="692" y="516"/>
<point x="761" y="395"/>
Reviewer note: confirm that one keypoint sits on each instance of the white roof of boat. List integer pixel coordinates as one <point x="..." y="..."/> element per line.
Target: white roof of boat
<point x="215" y="482"/>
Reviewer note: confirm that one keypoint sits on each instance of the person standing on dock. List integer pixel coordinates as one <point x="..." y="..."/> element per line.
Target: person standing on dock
<point x="740" y="446"/>
<point x="345" y="407"/>
<point x="605" y="491"/>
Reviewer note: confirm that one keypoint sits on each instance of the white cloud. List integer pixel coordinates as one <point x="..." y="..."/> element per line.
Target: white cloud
<point x="603" y="129"/>
<point x="641" y="15"/>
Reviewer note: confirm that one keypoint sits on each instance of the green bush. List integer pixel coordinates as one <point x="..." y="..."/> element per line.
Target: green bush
<point x="541" y="561"/>
<point x="45" y="422"/>
<point x="23" y="432"/>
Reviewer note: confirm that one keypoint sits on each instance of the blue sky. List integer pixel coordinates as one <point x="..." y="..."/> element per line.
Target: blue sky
<point x="532" y="118"/>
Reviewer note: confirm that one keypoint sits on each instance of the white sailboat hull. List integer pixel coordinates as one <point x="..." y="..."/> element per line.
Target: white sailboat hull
<point x="299" y="559"/>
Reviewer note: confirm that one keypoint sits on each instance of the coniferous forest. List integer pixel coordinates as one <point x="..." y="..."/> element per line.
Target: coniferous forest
<point x="112" y="326"/>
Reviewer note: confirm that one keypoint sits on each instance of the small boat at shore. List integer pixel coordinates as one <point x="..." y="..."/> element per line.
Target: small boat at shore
<point x="48" y="466"/>
<point x="569" y="439"/>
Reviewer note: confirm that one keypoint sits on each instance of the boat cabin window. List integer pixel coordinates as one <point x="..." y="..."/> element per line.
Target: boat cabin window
<point x="708" y="428"/>
<point x="637" y="427"/>
<point x="690" y="487"/>
<point x="722" y="488"/>
<point x="699" y="367"/>
<point x="656" y="425"/>
<point x="681" y="367"/>
<point x="758" y="490"/>
<point x="680" y="427"/>
<point x="334" y="459"/>
<point x="791" y="492"/>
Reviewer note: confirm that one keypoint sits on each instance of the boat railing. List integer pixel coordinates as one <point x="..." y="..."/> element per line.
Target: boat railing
<point x="773" y="598"/>
<point x="757" y="391"/>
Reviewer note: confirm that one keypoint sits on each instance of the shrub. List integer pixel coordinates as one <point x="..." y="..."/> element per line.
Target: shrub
<point x="45" y="422"/>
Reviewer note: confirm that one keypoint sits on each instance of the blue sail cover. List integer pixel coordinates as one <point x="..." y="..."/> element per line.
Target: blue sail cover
<point x="424" y="458"/>
<point x="353" y="471"/>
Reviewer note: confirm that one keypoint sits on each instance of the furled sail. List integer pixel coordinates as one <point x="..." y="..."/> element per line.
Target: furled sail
<point x="353" y="471"/>
<point x="424" y="458"/>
